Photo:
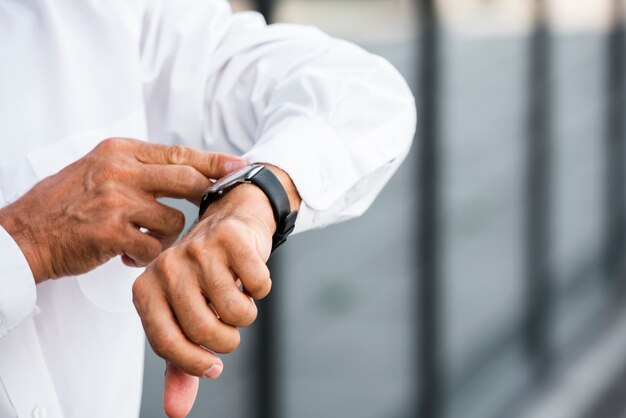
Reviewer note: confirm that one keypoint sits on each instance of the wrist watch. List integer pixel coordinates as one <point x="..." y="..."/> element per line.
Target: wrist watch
<point x="265" y="180"/>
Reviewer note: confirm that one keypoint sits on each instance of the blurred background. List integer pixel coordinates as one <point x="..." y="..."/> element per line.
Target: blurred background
<point x="488" y="278"/>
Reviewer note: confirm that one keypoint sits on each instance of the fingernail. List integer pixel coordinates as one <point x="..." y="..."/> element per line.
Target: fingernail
<point x="235" y="165"/>
<point x="215" y="371"/>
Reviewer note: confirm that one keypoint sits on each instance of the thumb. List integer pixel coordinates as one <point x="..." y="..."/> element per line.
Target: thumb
<point x="179" y="392"/>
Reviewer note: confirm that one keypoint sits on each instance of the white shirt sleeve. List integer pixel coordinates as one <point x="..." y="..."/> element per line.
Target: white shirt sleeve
<point x="18" y="294"/>
<point x="337" y="119"/>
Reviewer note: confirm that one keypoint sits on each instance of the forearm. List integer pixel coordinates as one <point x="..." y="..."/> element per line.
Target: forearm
<point x="336" y="118"/>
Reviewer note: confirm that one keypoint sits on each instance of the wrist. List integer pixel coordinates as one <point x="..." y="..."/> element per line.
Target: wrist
<point x="247" y="202"/>
<point x="260" y="191"/>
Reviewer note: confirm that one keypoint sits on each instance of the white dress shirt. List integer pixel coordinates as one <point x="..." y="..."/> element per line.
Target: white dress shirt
<point x="72" y="73"/>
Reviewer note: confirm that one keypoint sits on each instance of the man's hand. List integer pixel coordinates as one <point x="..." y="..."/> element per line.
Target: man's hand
<point x="104" y="205"/>
<point x="195" y="295"/>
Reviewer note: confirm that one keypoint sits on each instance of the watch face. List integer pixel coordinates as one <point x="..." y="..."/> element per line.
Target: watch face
<point x="233" y="178"/>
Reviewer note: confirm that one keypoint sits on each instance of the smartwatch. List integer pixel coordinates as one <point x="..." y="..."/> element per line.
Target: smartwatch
<point x="265" y="180"/>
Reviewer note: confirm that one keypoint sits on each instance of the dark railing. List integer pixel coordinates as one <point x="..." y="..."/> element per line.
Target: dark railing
<point x="268" y="348"/>
<point x="429" y="370"/>
<point x="539" y="289"/>
<point x="429" y="366"/>
<point x="616" y="150"/>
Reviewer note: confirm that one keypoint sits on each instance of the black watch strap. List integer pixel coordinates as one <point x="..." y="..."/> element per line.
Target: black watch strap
<point x="265" y="180"/>
<point x="275" y="192"/>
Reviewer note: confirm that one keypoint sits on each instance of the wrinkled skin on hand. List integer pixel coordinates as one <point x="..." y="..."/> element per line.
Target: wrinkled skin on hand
<point x="194" y="295"/>
<point x="104" y="205"/>
<point x="190" y="299"/>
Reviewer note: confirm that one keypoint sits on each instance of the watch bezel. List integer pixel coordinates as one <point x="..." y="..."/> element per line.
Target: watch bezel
<point x="241" y="176"/>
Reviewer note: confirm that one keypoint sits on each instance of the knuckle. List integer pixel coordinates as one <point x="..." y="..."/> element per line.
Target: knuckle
<point x="230" y="231"/>
<point x="177" y="154"/>
<point x="225" y="343"/>
<point x="197" y="250"/>
<point x="230" y="344"/>
<point x="259" y="287"/>
<point x="228" y="225"/>
<point x="238" y="311"/>
<point x="112" y="144"/>
<point x="164" y="264"/>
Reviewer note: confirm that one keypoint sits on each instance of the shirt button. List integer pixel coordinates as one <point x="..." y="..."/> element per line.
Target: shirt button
<point x="40" y="412"/>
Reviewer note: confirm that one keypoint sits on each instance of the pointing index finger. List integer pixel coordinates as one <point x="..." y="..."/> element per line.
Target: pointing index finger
<point x="212" y="164"/>
<point x="177" y="181"/>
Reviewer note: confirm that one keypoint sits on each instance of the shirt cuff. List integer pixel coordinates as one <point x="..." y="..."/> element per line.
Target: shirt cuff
<point x="18" y="292"/>
<point x="315" y="159"/>
<point x="297" y="146"/>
